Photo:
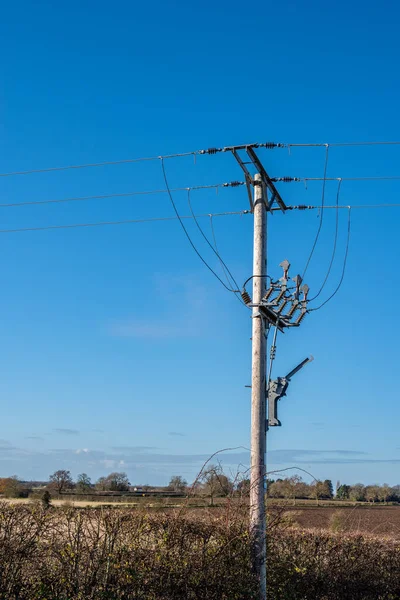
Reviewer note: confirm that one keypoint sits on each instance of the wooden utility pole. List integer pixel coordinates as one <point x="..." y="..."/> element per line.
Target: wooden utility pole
<point x="258" y="390"/>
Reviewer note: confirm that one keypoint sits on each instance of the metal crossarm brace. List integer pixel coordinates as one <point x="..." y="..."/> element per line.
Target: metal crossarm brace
<point x="266" y="179"/>
<point x="248" y="177"/>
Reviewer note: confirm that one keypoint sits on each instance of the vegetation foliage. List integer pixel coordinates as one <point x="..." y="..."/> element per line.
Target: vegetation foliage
<point x="70" y="554"/>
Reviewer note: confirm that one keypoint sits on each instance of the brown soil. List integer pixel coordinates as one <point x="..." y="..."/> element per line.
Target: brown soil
<point x="381" y="521"/>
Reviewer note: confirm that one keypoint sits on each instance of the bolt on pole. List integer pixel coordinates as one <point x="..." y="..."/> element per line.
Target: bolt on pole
<point x="258" y="391"/>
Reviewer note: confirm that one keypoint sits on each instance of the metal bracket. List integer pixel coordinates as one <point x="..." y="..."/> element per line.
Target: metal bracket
<point x="277" y="389"/>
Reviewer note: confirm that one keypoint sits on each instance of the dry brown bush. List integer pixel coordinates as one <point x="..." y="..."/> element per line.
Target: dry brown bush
<point x="103" y="554"/>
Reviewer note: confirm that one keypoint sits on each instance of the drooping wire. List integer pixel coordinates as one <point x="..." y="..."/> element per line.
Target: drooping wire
<point x="322" y="212"/>
<point x="344" y="266"/>
<point x="253" y="276"/>
<point x="238" y="296"/>
<point x="334" y="244"/>
<point x="228" y="275"/>
<point x="186" y="231"/>
<point x="225" y="270"/>
<point x="213" y="248"/>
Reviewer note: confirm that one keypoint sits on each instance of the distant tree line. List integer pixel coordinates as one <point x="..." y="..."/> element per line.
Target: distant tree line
<point x="211" y="483"/>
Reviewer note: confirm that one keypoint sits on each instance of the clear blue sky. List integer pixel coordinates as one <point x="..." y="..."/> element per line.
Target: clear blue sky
<point x="119" y="350"/>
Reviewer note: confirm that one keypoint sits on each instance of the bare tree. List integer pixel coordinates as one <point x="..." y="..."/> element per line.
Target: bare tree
<point x="101" y="484"/>
<point x="61" y="480"/>
<point x="177" y="483"/>
<point x="243" y="487"/>
<point x="216" y="483"/>
<point x="83" y="483"/>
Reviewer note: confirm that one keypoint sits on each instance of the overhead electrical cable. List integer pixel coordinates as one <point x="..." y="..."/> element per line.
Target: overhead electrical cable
<point x="187" y="233"/>
<point x="321" y="214"/>
<point x="223" y="264"/>
<point x="98" y="164"/>
<point x="216" y="248"/>
<point x="374" y="178"/>
<point x="344" y="266"/>
<point x="352" y="206"/>
<point x="319" y="144"/>
<point x="124" y="222"/>
<point x="334" y="244"/>
<point x="118" y="195"/>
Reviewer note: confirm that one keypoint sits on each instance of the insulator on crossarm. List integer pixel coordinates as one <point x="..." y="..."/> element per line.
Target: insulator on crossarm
<point x="282" y="305"/>
<point x="293" y="309"/>
<point x="245" y="297"/>
<point x="210" y="151"/>
<point x="270" y="145"/>
<point x="285" y="179"/>
<point x="300" y="317"/>
<point x="233" y="184"/>
<point x="268" y="293"/>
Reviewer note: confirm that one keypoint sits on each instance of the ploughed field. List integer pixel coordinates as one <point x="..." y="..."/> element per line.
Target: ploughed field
<point x="377" y="520"/>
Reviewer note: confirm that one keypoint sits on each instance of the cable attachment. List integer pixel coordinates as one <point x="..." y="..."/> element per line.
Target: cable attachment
<point x="285" y="179"/>
<point x="272" y="353"/>
<point x="245" y="296"/>
<point x="233" y="184"/>
<point x="285" y="264"/>
<point x="305" y="289"/>
<point x="297" y="281"/>
<point x="280" y="306"/>
<point x="272" y="145"/>
<point x="210" y="151"/>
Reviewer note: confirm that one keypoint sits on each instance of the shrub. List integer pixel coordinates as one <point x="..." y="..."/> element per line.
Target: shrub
<point x="103" y="554"/>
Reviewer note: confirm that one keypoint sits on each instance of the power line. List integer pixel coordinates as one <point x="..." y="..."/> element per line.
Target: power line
<point x="342" y="144"/>
<point x="322" y="212"/>
<point x="334" y="244"/>
<point x="99" y="164"/>
<point x="120" y="195"/>
<point x="225" y="268"/>
<point x="187" y="233"/>
<point x="194" y="153"/>
<point x="344" y="266"/>
<point x="306" y="179"/>
<point x="125" y="222"/>
<point x="216" y="248"/>
<point x="352" y="206"/>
